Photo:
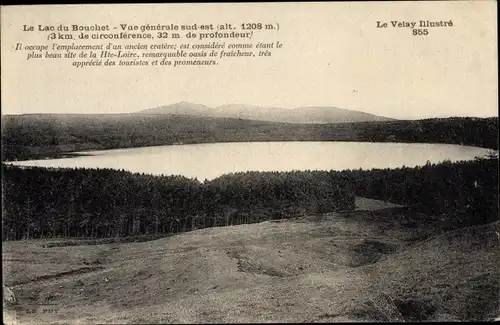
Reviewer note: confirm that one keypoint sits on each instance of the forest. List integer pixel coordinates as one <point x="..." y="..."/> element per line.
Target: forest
<point x="455" y="194"/>
<point x="40" y="203"/>
<point x="99" y="203"/>
<point x="54" y="135"/>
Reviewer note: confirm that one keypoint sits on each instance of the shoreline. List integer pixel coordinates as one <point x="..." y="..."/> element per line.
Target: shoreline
<point x="85" y="152"/>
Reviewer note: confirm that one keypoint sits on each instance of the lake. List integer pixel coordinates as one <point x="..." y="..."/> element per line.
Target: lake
<point x="207" y="161"/>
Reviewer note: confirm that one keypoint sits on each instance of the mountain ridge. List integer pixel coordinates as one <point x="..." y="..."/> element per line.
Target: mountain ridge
<point x="303" y="114"/>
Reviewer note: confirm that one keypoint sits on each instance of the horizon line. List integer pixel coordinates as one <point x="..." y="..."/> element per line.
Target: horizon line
<point x="135" y="112"/>
<point x="237" y="103"/>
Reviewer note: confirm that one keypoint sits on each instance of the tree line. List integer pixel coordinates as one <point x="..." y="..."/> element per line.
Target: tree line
<point x="99" y="203"/>
<point x="458" y="194"/>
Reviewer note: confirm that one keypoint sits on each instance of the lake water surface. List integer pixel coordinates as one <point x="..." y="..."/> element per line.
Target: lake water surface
<point x="207" y="161"/>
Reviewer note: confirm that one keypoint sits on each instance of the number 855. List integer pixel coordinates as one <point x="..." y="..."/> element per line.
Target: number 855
<point x="420" y="32"/>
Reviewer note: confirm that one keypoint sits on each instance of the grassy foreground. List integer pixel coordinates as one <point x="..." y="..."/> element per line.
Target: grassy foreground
<point x="351" y="266"/>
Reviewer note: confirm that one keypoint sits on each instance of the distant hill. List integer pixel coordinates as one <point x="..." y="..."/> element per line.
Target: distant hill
<point x="313" y="114"/>
<point x="182" y="108"/>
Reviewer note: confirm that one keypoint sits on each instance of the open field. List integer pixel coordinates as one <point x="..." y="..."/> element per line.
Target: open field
<point x="353" y="266"/>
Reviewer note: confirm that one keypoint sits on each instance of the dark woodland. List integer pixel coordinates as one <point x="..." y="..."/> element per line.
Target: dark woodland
<point x="98" y="203"/>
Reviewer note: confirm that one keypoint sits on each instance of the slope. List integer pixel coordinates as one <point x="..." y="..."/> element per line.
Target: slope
<point x="320" y="114"/>
<point x="360" y="266"/>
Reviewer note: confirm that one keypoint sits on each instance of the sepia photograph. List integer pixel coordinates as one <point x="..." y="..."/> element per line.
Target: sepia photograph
<point x="291" y="162"/>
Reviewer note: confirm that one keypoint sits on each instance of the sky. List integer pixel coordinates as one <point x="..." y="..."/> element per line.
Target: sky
<point x="332" y="55"/>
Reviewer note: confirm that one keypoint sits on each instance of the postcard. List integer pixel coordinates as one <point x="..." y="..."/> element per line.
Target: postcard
<point x="250" y="162"/>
